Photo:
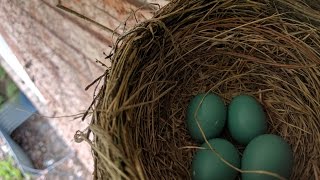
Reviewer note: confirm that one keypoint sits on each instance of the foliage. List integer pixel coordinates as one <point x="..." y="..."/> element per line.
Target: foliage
<point x="8" y="171"/>
<point x="7" y="87"/>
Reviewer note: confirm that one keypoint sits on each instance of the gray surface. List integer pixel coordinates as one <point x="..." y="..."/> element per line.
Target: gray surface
<point x="44" y="146"/>
<point x="15" y="112"/>
<point x="22" y="159"/>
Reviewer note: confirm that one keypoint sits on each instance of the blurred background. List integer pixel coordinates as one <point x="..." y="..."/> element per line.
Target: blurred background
<point x="47" y="58"/>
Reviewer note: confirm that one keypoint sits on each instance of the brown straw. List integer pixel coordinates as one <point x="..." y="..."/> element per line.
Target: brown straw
<point x="266" y="48"/>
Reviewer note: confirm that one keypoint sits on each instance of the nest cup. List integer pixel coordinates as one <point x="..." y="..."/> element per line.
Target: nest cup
<point x="269" y="49"/>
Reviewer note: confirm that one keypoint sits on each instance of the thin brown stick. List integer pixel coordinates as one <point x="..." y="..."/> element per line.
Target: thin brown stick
<point x="62" y="7"/>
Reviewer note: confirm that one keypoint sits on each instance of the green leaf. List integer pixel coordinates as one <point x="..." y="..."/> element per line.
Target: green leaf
<point x="7" y="177"/>
<point x="9" y="171"/>
<point x="2" y="73"/>
<point x="2" y="99"/>
<point x="11" y="89"/>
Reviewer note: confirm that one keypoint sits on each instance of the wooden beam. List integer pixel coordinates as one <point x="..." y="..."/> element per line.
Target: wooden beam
<point x="58" y="51"/>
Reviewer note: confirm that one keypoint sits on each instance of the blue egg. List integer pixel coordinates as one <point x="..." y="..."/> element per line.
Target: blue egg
<point x="210" y="112"/>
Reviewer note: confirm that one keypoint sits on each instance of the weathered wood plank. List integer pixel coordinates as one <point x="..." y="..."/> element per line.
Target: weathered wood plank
<point x="58" y="51"/>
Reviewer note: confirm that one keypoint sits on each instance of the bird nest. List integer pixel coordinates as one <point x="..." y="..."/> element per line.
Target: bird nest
<point x="269" y="49"/>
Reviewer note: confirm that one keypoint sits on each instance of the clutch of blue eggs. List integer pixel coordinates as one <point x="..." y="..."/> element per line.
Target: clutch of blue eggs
<point x="265" y="157"/>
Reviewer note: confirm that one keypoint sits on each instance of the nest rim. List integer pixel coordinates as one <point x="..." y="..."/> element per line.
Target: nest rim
<point x="142" y="77"/>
